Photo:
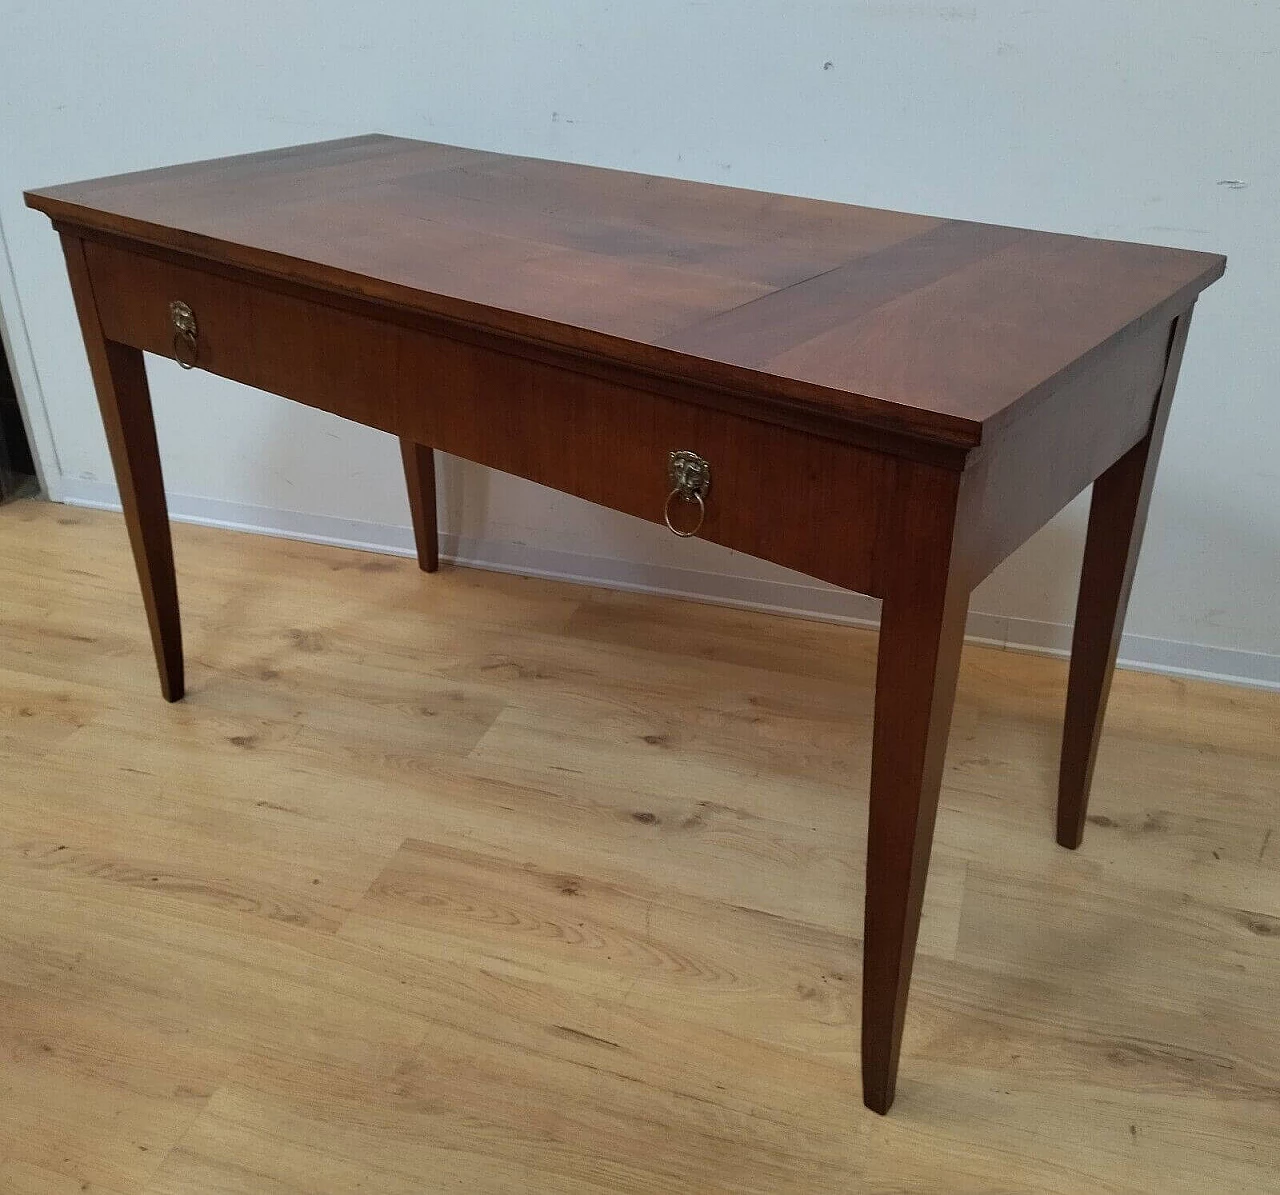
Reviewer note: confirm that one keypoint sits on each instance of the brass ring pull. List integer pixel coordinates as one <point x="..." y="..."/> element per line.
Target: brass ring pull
<point x="186" y="348"/>
<point x="690" y="478"/>
<point x="185" y="351"/>
<point x="702" y="513"/>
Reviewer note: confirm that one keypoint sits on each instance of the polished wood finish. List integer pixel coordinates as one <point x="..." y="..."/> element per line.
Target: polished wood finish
<point x="120" y="379"/>
<point x="420" y="480"/>
<point x="536" y="960"/>
<point x="598" y="438"/>
<point x="324" y="356"/>
<point x="1029" y="471"/>
<point x="1117" y="518"/>
<point x="788" y="302"/>
<point x="921" y="631"/>
<point x="890" y="403"/>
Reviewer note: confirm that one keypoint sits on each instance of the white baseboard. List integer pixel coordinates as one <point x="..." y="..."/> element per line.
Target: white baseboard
<point x="812" y="600"/>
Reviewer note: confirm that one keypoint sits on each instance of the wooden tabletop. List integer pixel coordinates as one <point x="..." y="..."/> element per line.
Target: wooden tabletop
<point x="942" y="328"/>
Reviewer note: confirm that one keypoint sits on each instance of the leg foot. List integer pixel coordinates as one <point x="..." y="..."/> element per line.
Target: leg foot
<point x="420" y="479"/>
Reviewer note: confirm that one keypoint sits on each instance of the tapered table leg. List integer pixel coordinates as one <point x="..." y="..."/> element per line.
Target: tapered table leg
<point x="124" y="399"/>
<point x="420" y="479"/>
<point x="921" y="632"/>
<point x="1117" y="518"/>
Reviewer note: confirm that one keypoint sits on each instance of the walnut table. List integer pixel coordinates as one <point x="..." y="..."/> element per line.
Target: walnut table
<point x="891" y="403"/>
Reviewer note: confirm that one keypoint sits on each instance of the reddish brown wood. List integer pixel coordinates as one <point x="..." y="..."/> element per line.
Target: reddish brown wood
<point x="420" y="480"/>
<point x="1031" y="469"/>
<point x="124" y="399"/>
<point x="921" y="631"/>
<point x="1117" y="519"/>
<point x="547" y="420"/>
<point x="888" y="402"/>
<point x="129" y="273"/>
<point x="791" y="303"/>
<point x="775" y="493"/>
<point x="313" y="353"/>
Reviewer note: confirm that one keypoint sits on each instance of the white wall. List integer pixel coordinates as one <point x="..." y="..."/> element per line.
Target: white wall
<point x="1155" y="120"/>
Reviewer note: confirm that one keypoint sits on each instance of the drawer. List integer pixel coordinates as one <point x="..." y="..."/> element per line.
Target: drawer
<point x="775" y="492"/>
<point x="320" y="355"/>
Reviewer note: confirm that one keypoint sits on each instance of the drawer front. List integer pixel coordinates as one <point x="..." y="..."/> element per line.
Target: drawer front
<point x="815" y="505"/>
<point x="820" y="506"/>
<point x="322" y="356"/>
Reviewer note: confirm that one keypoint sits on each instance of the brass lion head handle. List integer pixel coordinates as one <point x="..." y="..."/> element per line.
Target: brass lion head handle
<point x="690" y="478"/>
<point x="186" y="348"/>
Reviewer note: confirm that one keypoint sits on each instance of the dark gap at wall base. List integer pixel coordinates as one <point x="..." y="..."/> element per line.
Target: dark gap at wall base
<point x="17" y="467"/>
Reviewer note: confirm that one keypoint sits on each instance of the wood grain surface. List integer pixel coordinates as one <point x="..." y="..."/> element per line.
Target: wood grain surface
<point x="939" y="327"/>
<point x="572" y="326"/>
<point x="478" y="883"/>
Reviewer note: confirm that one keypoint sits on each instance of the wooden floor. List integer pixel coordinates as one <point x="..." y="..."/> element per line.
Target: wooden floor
<point x="474" y="883"/>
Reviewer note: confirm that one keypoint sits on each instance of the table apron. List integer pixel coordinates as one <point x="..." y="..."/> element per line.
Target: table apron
<point x="1025" y="474"/>
<point x="823" y="507"/>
